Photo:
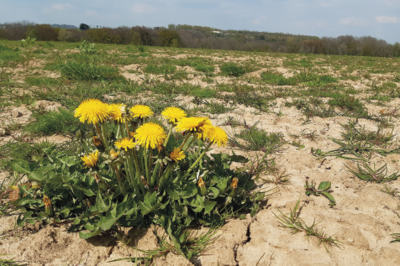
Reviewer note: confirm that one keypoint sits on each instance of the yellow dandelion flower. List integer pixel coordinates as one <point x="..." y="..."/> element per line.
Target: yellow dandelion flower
<point x="91" y="160"/>
<point x="97" y="141"/>
<point x="141" y="111"/>
<point x="125" y="143"/>
<point x="177" y="155"/>
<point x="218" y="136"/>
<point x="118" y="113"/>
<point x="150" y="134"/>
<point x="113" y="154"/>
<point x="207" y="131"/>
<point x="194" y="124"/>
<point x="92" y="111"/>
<point x="47" y="201"/>
<point x="173" y="114"/>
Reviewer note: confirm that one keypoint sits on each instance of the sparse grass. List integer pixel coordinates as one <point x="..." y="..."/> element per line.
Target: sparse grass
<point x="42" y="81"/>
<point x="163" y="69"/>
<point x="10" y="262"/>
<point x="23" y="150"/>
<point x="359" y="143"/>
<point x="231" y="69"/>
<point x="90" y="72"/>
<point x="217" y="108"/>
<point x="277" y="79"/>
<point x="61" y="122"/>
<point x="365" y="172"/>
<point x="293" y="222"/>
<point x="258" y="140"/>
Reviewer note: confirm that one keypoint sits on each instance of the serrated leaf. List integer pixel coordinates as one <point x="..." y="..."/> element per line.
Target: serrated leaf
<point x="40" y="174"/>
<point x="100" y="204"/>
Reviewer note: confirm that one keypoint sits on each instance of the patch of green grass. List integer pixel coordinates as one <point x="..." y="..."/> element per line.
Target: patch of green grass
<point x="259" y="140"/>
<point x="22" y="150"/>
<point x="217" y="108"/>
<point x="42" y="81"/>
<point x="203" y="92"/>
<point x="350" y="106"/>
<point x="204" y="68"/>
<point x="54" y="122"/>
<point x="90" y="72"/>
<point x="231" y="69"/>
<point x="163" y="69"/>
<point x="8" y="54"/>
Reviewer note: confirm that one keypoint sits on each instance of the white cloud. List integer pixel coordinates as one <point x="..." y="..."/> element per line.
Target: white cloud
<point x="142" y="8"/>
<point x="61" y="6"/>
<point x="353" y="21"/>
<point x="387" y="19"/>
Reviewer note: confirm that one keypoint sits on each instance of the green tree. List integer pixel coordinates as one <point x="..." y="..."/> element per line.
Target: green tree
<point x="396" y="49"/>
<point x="170" y="38"/>
<point x="84" y="26"/>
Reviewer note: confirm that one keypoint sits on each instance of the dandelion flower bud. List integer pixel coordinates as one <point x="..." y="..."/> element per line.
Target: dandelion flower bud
<point x="48" y="206"/>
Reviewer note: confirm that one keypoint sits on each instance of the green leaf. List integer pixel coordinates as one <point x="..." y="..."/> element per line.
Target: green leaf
<point x="324" y="185"/>
<point x="21" y="166"/>
<point x="209" y="206"/>
<point x="215" y="191"/>
<point x="107" y="221"/>
<point x="87" y="235"/>
<point x="40" y="174"/>
<point x="149" y="203"/>
<point x="100" y="204"/>
<point x="189" y="190"/>
<point x="329" y="197"/>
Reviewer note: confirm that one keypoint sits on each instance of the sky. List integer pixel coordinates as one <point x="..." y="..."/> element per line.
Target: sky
<point x="323" y="18"/>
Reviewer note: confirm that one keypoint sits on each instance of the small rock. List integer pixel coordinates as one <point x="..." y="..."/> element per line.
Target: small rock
<point x="16" y="114"/>
<point x="2" y="131"/>
<point x="350" y="240"/>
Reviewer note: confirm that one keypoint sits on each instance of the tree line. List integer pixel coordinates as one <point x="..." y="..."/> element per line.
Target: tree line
<point x="204" y="37"/>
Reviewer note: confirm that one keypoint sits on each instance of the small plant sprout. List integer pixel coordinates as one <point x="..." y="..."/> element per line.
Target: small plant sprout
<point x="293" y="222"/>
<point x="323" y="189"/>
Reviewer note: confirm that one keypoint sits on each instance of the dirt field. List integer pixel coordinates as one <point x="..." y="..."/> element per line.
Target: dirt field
<point x="310" y="102"/>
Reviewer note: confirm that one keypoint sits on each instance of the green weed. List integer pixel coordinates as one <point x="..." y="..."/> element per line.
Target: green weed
<point x="231" y="69"/>
<point x="258" y="139"/>
<point x="90" y="72"/>
<point x="54" y="122"/>
<point x="293" y="222"/>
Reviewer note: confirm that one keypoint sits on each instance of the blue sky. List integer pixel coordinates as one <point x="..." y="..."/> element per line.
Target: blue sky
<point x="377" y="18"/>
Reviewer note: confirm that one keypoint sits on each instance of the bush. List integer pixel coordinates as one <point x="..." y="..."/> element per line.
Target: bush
<point x="90" y="72"/>
<point x="45" y="32"/>
<point x="232" y="69"/>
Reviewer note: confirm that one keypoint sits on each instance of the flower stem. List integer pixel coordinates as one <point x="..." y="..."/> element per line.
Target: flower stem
<point x="198" y="160"/>
<point x="169" y="135"/>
